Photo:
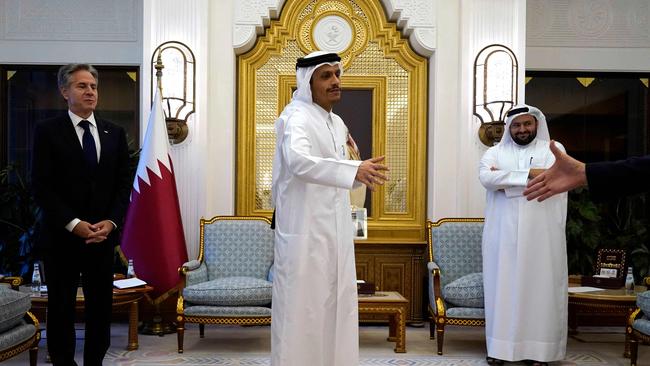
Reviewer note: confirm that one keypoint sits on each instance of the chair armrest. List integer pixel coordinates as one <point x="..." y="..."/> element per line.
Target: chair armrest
<point x="437" y="302"/>
<point x="14" y="282"/>
<point x="192" y="265"/>
<point x="433" y="265"/>
<point x="637" y="313"/>
<point x="193" y="274"/>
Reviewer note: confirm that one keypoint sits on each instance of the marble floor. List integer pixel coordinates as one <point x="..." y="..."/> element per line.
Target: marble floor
<point x="247" y="346"/>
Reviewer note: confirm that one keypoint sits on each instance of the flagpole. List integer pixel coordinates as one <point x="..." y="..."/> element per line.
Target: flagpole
<point x="158" y="326"/>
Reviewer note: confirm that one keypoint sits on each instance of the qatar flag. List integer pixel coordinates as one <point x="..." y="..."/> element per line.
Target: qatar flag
<point x="153" y="231"/>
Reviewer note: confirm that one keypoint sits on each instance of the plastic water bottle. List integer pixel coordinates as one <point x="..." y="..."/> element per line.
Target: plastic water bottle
<point x="629" y="280"/>
<point x="36" y="280"/>
<point x="130" y="272"/>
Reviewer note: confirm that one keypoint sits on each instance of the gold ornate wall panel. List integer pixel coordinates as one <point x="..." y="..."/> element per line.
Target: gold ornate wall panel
<point x="375" y="57"/>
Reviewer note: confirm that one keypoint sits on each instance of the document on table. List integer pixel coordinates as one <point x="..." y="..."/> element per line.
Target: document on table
<point x="128" y="283"/>
<point x="579" y="289"/>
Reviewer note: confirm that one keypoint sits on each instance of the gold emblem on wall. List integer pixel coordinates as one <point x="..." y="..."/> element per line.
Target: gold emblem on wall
<point x="333" y="27"/>
<point x="376" y="58"/>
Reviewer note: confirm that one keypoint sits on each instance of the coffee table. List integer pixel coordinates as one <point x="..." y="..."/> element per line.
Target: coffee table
<point x="121" y="297"/>
<point x="395" y="306"/>
<point x="606" y="302"/>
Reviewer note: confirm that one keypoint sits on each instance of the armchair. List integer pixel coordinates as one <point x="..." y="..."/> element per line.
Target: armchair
<point x="638" y="328"/>
<point x="19" y="330"/>
<point x="455" y="275"/>
<point x="231" y="281"/>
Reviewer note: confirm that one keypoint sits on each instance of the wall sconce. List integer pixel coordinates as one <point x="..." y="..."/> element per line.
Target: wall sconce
<point x="177" y="86"/>
<point x="495" y="90"/>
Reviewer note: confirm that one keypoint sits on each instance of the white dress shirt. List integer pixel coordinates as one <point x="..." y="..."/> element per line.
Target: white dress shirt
<point x="80" y="133"/>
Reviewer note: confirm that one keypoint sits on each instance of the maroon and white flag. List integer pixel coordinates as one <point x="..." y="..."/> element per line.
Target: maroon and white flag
<point x="153" y="230"/>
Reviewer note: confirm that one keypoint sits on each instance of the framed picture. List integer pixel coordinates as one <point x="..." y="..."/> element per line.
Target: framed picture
<point x="360" y="223"/>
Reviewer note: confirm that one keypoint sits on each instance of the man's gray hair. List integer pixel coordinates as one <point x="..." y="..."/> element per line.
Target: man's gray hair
<point x="63" y="76"/>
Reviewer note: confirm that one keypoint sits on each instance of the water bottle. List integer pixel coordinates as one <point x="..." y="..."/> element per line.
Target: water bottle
<point x="36" y="280"/>
<point x="629" y="280"/>
<point x="130" y="272"/>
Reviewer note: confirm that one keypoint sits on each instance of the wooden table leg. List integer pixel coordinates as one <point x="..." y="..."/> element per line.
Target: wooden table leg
<point x="392" y="327"/>
<point x="400" y="319"/>
<point x="133" y="326"/>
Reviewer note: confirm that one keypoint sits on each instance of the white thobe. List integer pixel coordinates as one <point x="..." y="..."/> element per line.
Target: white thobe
<point x="524" y="258"/>
<point x="315" y="308"/>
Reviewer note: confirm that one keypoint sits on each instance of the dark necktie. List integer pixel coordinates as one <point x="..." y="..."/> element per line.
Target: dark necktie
<point x="88" y="143"/>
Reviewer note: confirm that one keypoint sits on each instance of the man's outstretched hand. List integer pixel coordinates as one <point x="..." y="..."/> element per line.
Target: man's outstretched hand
<point x="564" y="175"/>
<point x="370" y="172"/>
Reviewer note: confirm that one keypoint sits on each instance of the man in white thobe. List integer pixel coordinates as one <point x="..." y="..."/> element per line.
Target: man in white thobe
<point x="315" y="315"/>
<point x="524" y="247"/>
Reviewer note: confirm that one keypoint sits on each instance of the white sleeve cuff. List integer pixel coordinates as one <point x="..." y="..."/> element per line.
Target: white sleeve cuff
<point x="70" y="226"/>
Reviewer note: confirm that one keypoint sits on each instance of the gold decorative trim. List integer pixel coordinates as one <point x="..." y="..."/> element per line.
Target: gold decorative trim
<point x="13" y="281"/>
<point x="248" y="320"/>
<point x="431" y="224"/>
<point x="204" y="221"/>
<point x="341" y="9"/>
<point x="180" y="309"/>
<point x="26" y="344"/>
<point x="585" y="81"/>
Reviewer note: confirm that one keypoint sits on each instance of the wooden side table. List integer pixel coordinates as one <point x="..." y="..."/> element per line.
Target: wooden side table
<point x="395" y="306"/>
<point x="608" y="301"/>
<point x="129" y="296"/>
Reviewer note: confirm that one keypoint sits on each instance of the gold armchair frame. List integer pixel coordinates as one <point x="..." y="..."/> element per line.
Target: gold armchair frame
<point x="438" y="317"/>
<point x="181" y="318"/>
<point x="634" y="335"/>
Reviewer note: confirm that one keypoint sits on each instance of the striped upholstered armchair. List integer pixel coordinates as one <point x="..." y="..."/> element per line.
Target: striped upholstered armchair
<point x="455" y="275"/>
<point x="19" y="329"/>
<point x="231" y="281"/>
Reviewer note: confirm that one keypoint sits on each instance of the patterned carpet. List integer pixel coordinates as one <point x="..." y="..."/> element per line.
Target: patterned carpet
<point x="151" y="358"/>
<point x="250" y="346"/>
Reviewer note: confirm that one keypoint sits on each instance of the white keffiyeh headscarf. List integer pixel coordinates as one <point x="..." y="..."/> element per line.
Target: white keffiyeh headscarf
<point x="302" y="98"/>
<point x="522" y="109"/>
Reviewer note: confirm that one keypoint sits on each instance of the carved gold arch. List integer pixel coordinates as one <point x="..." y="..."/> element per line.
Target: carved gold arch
<point x="375" y="58"/>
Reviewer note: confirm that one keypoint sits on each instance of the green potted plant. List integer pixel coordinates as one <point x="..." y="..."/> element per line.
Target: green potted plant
<point x="18" y="214"/>
<point x="618" y="224"/>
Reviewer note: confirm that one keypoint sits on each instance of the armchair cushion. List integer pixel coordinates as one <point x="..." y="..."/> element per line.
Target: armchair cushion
<point x="466" y="291"/>
<point x="642" y="325"/>
<point x="643" y="302"/>
<point x="13" y="306"/>
<point x="16" y="335"/>
<point x="230" y="291"/>
<point x="466" y="313"/>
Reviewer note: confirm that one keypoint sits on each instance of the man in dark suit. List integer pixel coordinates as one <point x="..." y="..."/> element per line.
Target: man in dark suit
<point x="81" y="181"/>
<point x="605" y="179"/>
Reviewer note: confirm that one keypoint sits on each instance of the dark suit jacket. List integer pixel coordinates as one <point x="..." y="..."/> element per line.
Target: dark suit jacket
<point x="65" y="189"/>
<point x="619" y="178"/>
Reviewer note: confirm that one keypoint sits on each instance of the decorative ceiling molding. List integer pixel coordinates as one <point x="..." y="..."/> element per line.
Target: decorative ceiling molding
<point x="417" y="20"/>
<point x="414" y="18"/>
<point x="251" y="17"/>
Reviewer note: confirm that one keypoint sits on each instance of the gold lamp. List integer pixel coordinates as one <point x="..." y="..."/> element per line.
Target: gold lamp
<point x="177" y="86"/>
<point x="495" y="90"/>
